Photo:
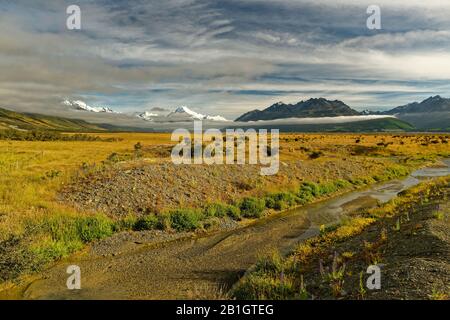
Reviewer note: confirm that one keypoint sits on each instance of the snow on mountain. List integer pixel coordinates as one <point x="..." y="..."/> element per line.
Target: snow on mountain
<point x="186" y="112"/>
<point x="83" y="106"/>
<point x="216" y="118"/>
<point x="147" y="116"/>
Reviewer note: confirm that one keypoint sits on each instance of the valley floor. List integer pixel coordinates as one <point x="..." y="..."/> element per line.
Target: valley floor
<point x="59" y="197"/>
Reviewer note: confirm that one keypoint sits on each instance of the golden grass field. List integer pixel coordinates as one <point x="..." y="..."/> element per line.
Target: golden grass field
<point x="32" y="172"/>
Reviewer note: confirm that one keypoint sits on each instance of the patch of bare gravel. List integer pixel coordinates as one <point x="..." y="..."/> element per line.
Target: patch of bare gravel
<point x="155" y="187"/>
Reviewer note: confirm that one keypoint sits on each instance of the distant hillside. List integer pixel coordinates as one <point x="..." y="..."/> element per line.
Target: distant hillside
<point x="312" y="108"/>
<point x="432" y="114"/>
<point x="376" y="125"/>
<point x="28" y="121"/>
<point x="431" y="121"/>
<point x="432" y="104"/>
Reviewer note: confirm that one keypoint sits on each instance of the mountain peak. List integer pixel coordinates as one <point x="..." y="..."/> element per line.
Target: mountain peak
<point x="83" y="106"/>
<point x="146" y="115"/>
<point x="435" y="98"/>
<point x="431" y="104"/>
<point x="184" y="111"/>
<point x="312" y="108"/>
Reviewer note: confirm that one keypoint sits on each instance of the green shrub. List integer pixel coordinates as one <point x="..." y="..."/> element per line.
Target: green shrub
<point x="234" y="212"/>
<point x="281" y="200"/>
<point x="68" y="234"/>
<point x="310" y="188"/>
<point x="271" y="202"/>
<point x="216" y="210"/>
<point x="185" y="219"/>
<point x="221" y="210"/>
<point x="52" y="250"/>
<point x="308" y="191"/>
<point x="341" y="183"/>
<point x="125" y="224"/>
<point x="148" y="222"/>
<point x="252" y="207"/>
<point x="94" y="228"/>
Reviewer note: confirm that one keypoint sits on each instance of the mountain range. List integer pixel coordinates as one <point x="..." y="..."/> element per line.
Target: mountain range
<point x="179" y="114"/>
<point x="432" y="104"/>
<point x="83" y="106"/>
<point x="321" y="107"/>
<point x="432" y="114"/>
<point x="312" y="108"/>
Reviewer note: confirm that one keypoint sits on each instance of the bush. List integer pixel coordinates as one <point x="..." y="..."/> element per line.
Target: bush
<point x="125" y="224"/>
<point x="340" y="183"/>
<point x="222" y="210"/>
<point x="281" y="201"/>
<point x="308" y="191"/>
<point x="185" y="219"/>
<point x="94" y="228"/>
<point x="310" y="188"/>
<point x="252" y="207"/>
<point x="216" y="210"/>
<point x="234" y="212"/>
<point x="148" y="222"/>
<point x="67" y="234"/>
<point x="315" y="154"/>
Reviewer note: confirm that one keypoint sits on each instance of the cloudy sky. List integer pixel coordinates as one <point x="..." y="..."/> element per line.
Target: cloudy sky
<point x="222" y="57"/>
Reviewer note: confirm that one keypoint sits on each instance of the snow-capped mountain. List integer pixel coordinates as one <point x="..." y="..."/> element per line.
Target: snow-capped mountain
<point x="81" y="105"/>
<point x="180" y="114"/>
<point x="147" y="116"/>
<point x="185" y="111"/>
<point x="188" y="113"/>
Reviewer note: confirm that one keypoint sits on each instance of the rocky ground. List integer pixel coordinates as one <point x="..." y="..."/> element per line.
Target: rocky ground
<point x="417" y="257"/>
<point x="146" y="188"/>
<point x="413" y="250"/>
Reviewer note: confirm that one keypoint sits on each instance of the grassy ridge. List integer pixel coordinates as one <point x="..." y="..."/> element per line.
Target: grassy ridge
<point x="28" y="121"/>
